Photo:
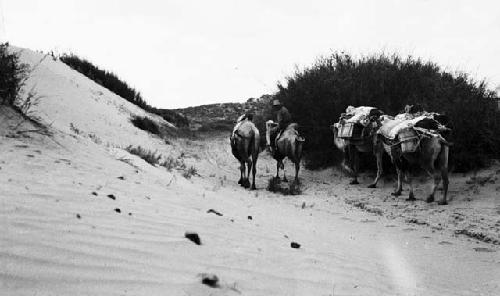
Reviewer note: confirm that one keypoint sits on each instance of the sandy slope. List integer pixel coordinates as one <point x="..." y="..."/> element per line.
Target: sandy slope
<point x="62" y="235"/>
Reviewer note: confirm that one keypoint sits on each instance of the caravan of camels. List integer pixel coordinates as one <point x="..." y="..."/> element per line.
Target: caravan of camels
<point x="412" y="138"/>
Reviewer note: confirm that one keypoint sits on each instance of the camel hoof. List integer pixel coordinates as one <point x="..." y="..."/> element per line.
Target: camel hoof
<point x="354" y="182"/>
<point x="397" y="193"/>
<point x="372" y="186"/>
<point x="430" y="199"/>
<point x="442" y="202"/>
<point x="253" y="187"/>
<point x="239" y="182"/>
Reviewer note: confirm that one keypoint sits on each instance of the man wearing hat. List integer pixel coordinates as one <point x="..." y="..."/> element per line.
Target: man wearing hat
<point x="283" y="118"/>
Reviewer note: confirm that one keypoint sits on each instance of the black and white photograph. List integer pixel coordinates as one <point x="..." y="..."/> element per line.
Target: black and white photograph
<point x="249" y="147"/>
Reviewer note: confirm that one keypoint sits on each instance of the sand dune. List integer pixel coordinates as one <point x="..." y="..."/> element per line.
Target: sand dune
<point x="62" y="235"/>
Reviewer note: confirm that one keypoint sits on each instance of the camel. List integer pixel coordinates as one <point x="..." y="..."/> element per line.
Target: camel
<point x="351" y="149"/>
<point x="430" y="153"/>
<point x="362" y="124"/>
<point x="245" y="142"/>
<point x="288" y="145"/>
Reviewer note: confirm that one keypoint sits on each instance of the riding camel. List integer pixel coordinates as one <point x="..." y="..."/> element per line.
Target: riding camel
<point x="289" y="144"/>
<point x="364" y="142"/>
<point x="411" y="145"/>
<point x="245" y="147"/>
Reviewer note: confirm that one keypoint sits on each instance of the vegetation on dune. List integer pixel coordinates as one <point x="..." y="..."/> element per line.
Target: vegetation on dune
<point x="12" y="75"/>
<point x="170" y="163"/>
<point x="146" y="124"/>
<point x="317" y="95"/>
<point x="112" y="82"/>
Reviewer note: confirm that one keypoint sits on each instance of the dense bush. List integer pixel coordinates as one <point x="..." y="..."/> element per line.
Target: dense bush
<point x="12" y="75"/>
<point x="317" y="95"/>
<point x="119" y="87"/>
<point x="146" y="124"/>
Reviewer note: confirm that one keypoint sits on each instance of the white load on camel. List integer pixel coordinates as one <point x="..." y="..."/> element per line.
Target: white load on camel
<point x="391" y="127"/>
<point x="239" y="121"/>
<point x="407" y="129"/>
<point x="363" y="115"/>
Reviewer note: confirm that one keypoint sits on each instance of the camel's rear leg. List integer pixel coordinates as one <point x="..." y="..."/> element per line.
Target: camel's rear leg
<point x="297" y="168"/>
<point x="353" y="155"/>
<point x="443" y="166"/>
<point x="399" y="188"/>
<point x="254" y="171"/>
<point x="378" y="155"/>
<point x="444" y="176"/>
<point x="411" y="196"/>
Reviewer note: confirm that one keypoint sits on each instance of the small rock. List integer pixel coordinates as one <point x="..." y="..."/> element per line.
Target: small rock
<point x="214" y="211"/>
<point x="78" y="216"/>
<point x="94" y="193"/>
<point x="130" y="214"/>
<point x="210" y="280"/>
<point x="194" y="237"/>
<point x="249" y="217"/>
<point x="112" y="196"/>
<point x="303" y="205"/>
<point x="121" y="178"/>
<point x="294" y="245"/>
<point x="118" y="210"/>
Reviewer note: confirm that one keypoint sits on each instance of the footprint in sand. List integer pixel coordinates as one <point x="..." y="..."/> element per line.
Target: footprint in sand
<point x="445" y="243"/>
<point x="486" y="250"/>
<point x="367" y="221"/>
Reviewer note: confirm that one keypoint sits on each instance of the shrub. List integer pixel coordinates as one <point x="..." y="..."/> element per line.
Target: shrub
<point x="12" y="75"/>
<point x="146" y="124"/>
<point x="149" y="156"/>
<point x="191" y="171"/>
<point x="171" y="163"/>
<point x="110" y="81"/>
<point x="317" y="95"/>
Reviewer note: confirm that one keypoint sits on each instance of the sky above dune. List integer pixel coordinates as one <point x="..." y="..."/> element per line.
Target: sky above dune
<point x="183" y="53"/>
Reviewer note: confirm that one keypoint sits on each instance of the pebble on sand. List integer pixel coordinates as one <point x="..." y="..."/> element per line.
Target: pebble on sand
<point x="294" y="245"/>
<point x="210" y="280"/>
<point x="118" y="210"/>
<point x="194" y="237"/>
<point x="215" y="212"/>
<point x="112" y="196"/>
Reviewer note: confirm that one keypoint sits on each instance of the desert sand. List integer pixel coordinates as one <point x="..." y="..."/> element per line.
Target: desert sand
<point x="79" y="215"/>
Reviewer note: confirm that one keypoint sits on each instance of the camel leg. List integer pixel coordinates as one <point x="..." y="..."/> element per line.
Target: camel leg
<point x="353" y="154"/>
<point x="443" y="165"/>
<point x="284" y="173"/>
<point x="437" y="179"/>
<point x="411" y="196"/>
<point x="399" y="188"/>
<point x="277" y="169"/>
<point x="297" y="168"/>
<point x="242" y="171"/>
<point x="254" y="170"/>
<point x="249" y="168"/>
<point x="444" y="176"/>
<point x="378" y="155"/>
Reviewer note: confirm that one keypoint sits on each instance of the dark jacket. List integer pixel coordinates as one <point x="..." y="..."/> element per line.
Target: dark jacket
<point x="283" y="118"/>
